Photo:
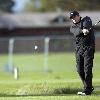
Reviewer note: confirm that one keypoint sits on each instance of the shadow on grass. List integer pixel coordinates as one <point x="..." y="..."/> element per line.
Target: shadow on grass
<point x="55" y="92"/>
<point x="63" y="91"/>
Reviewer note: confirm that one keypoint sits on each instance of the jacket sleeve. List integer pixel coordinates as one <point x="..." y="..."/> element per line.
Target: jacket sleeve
<point x="75" y="30"/>
<point x="87" y="24"/>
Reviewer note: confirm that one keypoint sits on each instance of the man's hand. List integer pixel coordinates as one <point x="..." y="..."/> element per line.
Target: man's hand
<point x="85" y="31"/>
<point x="73" y="21"/>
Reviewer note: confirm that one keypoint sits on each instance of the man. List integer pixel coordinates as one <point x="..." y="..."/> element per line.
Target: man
<point x="85" y="47"/>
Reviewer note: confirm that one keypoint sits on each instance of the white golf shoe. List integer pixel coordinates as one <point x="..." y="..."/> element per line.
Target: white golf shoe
<point x="81" y="93"/>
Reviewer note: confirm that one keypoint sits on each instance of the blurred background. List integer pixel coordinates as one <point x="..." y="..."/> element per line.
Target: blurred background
<point x="25" y="24"/>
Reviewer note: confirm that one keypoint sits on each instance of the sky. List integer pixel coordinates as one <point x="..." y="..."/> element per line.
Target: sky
<point x="19" y="5"/>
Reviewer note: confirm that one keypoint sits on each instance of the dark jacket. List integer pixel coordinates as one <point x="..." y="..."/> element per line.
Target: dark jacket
<point x="81" y="39"/>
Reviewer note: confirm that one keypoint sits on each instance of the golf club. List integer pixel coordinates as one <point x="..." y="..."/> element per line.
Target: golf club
<point x="94" y="25"/>
<point x="97" y="23"/>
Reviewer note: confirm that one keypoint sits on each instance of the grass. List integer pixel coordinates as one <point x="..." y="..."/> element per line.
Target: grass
<point x="60" y="83"/>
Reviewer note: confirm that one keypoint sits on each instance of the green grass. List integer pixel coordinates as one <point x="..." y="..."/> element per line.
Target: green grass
<point x="61" y="82"/>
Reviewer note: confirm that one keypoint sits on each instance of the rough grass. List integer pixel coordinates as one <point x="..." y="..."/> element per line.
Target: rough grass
<point x="61" y="82"/>
<point x="42" y="90"/>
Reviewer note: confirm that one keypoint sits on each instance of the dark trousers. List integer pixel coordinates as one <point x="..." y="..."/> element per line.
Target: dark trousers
<point x="84" y="60"/>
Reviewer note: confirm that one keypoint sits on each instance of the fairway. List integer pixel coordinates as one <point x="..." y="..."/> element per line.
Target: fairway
<point x="60" y="82"/>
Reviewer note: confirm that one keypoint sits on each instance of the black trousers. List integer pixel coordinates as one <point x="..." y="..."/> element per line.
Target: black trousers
<point x="84" y="60"/>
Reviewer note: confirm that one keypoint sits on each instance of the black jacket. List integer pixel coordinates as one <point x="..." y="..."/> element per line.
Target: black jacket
<point x="81" y="39"/>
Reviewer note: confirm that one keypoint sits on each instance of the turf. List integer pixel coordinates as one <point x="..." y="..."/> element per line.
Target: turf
<point x="60" y="82"/>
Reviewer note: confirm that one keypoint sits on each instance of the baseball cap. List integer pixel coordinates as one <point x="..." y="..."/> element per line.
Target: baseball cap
<point x="73" y="14"/>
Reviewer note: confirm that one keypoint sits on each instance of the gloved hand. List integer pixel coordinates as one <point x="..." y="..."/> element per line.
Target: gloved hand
<point x="85" y="31"/>
<point x="73" y="21"/>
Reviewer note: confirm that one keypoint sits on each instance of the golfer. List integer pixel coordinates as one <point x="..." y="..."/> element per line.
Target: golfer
<point x="84" y="50"/>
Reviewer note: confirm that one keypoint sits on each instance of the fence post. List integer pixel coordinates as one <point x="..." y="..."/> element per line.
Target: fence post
<point x="10" y="54"/>
<point x="46" y="52"/>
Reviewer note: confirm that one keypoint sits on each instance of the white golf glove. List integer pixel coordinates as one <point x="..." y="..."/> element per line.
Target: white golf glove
<point x="73" y="21"/>
<point x="85" y="31"/>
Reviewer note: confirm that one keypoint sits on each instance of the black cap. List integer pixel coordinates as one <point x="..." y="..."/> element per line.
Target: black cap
<point x="73" y="14"/>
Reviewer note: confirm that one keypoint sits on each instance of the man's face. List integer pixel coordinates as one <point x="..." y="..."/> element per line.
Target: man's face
<point x="76" y="19"/>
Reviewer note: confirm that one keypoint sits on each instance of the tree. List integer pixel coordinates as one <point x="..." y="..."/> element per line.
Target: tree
<point x="6" y="5"/>
<point x="52" y="5"/>
<point x="46" y="5"/>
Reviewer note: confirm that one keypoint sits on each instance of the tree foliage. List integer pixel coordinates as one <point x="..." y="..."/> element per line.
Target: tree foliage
<point x="52" y="5"/>
<point x="6" y="5"/>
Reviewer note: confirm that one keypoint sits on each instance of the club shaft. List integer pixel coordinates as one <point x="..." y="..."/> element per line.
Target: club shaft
<point x="97" y="22"/>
